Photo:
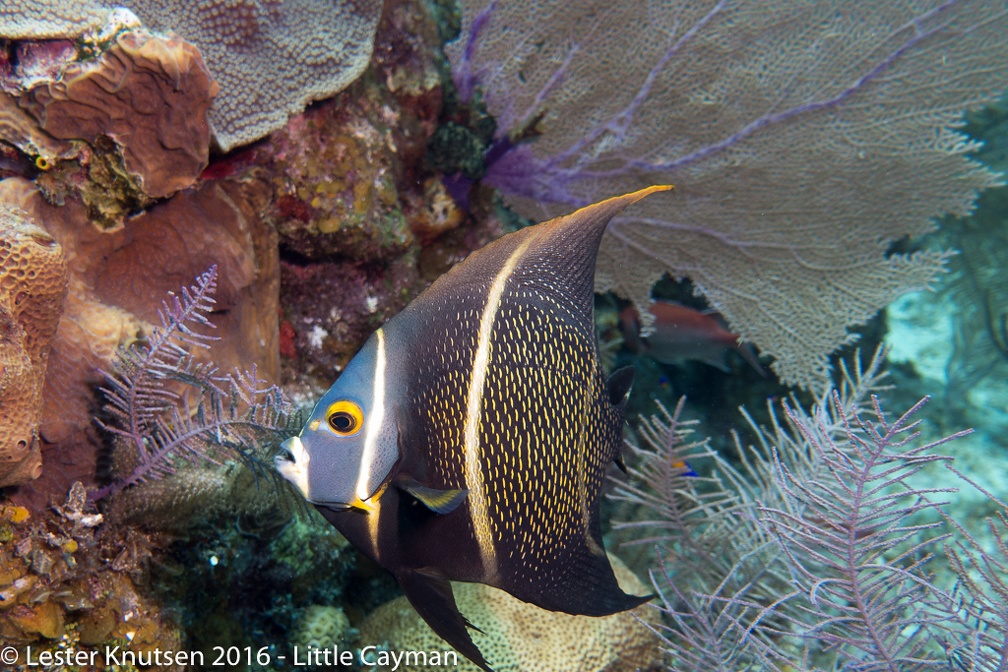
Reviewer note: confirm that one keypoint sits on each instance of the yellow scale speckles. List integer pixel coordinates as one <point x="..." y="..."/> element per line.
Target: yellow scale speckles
<point x="443" y="393"/>
<point x="537" y="468"/>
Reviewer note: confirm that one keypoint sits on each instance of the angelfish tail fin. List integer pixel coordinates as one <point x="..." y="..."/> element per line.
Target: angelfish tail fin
<point x="434" y="600"/>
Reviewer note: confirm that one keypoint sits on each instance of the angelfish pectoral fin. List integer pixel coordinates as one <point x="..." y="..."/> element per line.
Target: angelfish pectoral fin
<point x="434" y="600"/>
<point x="620" y="463"/>
<point x="618" y="386"/>
<point x="438" y="501"/>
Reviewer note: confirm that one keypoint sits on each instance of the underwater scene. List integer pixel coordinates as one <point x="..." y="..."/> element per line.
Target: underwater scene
<point x="506" y="336"/>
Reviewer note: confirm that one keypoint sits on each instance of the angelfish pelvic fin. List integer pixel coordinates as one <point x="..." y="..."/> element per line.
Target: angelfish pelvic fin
<point x="434" y="600"/>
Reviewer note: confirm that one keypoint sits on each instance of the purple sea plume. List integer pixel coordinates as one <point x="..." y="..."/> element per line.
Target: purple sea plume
<point x="167" y="407"/>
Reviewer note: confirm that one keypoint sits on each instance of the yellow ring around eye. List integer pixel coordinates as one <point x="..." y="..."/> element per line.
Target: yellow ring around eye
<point x="345" y="418"/>
<point x="42" y="163"/>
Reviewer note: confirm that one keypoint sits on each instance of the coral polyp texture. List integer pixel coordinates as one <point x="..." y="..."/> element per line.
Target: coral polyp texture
<point x="803" y="139"/>
<point x="33" y="285"/>
<point x="270" y="59"/>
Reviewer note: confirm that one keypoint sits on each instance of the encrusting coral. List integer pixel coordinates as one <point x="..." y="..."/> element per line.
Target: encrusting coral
<point x="118" y="278"/>
<point x="269" y="60"/>
<point x="516" y="636"/>
<point x="353" y="201"/>
<point x="63" y="583"/>
<point x="33" y="285"/>
<point x="160" y="127"/>
<point x="127" y="112"/>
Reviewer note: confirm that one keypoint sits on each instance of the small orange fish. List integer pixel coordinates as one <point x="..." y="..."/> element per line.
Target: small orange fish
<point x="684" y="333"/>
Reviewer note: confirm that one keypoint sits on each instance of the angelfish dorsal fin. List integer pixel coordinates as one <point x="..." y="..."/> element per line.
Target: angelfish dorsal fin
<point x="438" y="501"/>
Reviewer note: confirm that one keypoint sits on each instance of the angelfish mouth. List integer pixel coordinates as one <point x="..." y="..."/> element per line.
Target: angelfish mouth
<point x="292" y="463"/>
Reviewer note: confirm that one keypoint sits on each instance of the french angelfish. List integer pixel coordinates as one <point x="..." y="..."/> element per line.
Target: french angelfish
<point x="469" y="438"/>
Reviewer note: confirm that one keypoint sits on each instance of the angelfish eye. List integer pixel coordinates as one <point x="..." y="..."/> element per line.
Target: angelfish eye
<point x="345" y="417"/>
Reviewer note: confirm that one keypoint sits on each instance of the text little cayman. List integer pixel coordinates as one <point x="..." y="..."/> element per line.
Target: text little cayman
<point x="374" y="656"/>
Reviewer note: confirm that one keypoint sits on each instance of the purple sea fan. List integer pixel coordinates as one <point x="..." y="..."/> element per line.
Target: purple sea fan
<point x="804" y="138"/>
<point x="171" y="412"/>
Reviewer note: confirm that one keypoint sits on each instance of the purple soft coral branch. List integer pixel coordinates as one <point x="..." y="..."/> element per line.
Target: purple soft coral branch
<point x="465" y="79"/>
<point x="173" y="321"/>
<point x="157" y="463"/>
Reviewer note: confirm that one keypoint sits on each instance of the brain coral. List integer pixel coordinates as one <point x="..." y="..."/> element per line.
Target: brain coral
<point x="517" y="636"/>
<point x="322" y="627"/>
<point x="33" y="284"/>
<point x="269" y="58"/>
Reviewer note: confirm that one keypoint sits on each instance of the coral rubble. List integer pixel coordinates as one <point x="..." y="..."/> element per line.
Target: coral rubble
<point x="64" y="582"/>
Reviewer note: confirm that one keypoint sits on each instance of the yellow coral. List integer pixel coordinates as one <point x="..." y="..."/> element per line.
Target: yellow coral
<point x="14" y="514"/>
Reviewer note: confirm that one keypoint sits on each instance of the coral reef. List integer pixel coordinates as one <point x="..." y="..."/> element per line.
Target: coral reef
<point x="790" y="190"/>
<point x="33" y="285"/>
<point x="123" y="126"/>
<point x="269" y="62"/>
<point x="19" y="129"/>
<point x="353" y="199"/>
<point x="248" y="581"/>
<point x="117" y="280"/>
<point x="66" y="582"/>
<point x="148" y="94"/>
<point x="515" y="635"/>
<point x="322" y="627"/>
<point x="187" y="437"/>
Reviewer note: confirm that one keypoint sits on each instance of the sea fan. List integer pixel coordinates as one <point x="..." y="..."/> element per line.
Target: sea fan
<point x="812" y="550"/>
<point x="171" y="411"/>
<point x="804" y="140"/>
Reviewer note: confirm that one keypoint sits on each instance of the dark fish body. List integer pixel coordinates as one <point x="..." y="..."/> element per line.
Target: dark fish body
<point x="484" y="432"/>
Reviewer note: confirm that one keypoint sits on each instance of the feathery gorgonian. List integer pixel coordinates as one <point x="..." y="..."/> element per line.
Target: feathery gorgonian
<point x="828" y="566"/>
<point x="169" y="409"/>
<point x="804" y="138"/>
